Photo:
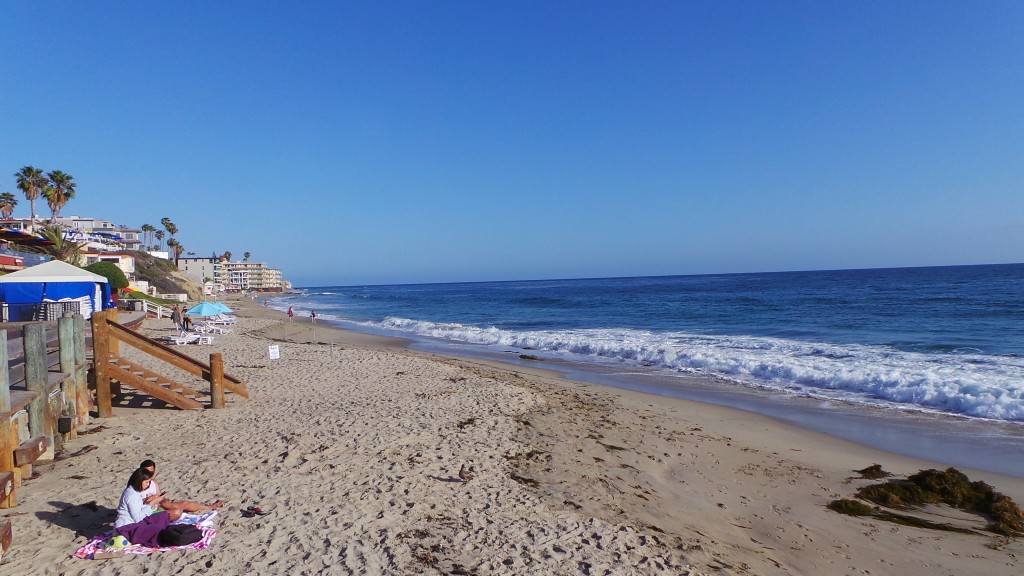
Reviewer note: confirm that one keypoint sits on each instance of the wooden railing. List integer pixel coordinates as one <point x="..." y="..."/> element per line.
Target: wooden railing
<point x="107" y="333"/>
<point x="159" y="310"/>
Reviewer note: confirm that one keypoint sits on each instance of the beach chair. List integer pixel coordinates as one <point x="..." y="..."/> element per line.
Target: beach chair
<point x="211" y="329"/>
<point x="222" y="319"/>
<point x="184" y="338"/>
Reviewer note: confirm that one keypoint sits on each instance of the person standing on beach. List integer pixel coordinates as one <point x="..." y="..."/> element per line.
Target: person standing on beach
<point x="176" y="317"/>
<point x="291" y="313"/>
<point x="312" y="316"/>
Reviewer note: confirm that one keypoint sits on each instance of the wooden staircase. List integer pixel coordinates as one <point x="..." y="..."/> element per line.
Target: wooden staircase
<point x="107" y="333"/>
<point x="155" y="385"/>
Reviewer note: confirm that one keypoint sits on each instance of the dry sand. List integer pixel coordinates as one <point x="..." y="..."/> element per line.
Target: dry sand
<point x="355" y="449"/>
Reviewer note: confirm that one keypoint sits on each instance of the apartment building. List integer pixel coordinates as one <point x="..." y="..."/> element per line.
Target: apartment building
<point x="232" y="276"/>
<point x="254" y="276"/>
<point x="201" y="270"/>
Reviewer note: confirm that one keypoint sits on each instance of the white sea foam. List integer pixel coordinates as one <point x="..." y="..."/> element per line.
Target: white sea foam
<point x="972" y="384"/>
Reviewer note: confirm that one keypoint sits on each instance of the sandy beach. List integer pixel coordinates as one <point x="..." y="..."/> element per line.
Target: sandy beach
<point x="354" y="445"/>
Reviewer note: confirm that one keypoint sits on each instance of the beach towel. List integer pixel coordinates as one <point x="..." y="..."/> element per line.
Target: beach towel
<point x="204" y="522"/>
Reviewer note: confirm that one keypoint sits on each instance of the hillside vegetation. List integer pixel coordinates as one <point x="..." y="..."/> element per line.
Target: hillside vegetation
<point x="165" y="276"/>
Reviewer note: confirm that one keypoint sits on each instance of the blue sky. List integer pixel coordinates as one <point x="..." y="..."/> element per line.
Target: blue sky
<point x="393" y="142"/>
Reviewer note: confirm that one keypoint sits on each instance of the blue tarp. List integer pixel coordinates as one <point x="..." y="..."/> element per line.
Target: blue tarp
<point x="37" y="292"/>
<point x="26" y="287"/>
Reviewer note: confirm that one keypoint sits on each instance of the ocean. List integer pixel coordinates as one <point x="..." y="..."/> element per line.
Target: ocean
<point x="943" y="341"/>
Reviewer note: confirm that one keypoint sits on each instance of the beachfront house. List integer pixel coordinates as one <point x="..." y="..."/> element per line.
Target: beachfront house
<point x="13" y="235"/>
<point x="123" y="260"/>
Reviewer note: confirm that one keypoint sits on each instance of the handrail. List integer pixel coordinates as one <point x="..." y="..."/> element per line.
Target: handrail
<point x="160" y="310"/>
<point x="107" y="332"/>
<point x="172" y="356"/>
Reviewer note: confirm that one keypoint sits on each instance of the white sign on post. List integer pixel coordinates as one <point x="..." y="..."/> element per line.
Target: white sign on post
<point x="275" y="352"/>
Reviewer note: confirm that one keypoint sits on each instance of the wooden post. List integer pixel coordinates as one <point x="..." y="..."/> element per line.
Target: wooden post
<point x="216" y="380"/>
<point x="115" y="345"/>
<point x="84" y="401"/>
<point x="8" y="438"/>
<point x="100" y="360"/>
<point x="34" y="342"/>
<point x="66" y="340"/>
<point x="5" y="377"/>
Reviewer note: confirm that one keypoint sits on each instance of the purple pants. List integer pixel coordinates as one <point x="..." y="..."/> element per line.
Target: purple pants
<point x="145" y="532"/>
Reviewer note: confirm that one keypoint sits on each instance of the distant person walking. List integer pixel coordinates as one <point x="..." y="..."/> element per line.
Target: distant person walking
<point x="176" y="318"/>
<point x="312" y="316"/>
<point x="291" y="313"/>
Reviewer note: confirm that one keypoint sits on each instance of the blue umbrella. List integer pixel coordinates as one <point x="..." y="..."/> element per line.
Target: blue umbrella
<point x="223" y="307"/>
<point x="204" y="309"/>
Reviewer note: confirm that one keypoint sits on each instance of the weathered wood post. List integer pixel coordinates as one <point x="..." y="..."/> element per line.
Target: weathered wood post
<point x="5" y="377"/>
<point x="40" y="421"/>
<point x="69" y="387"/>
<point x="216" y="380"/>
<point x="84" y="400"/>
<point x="114" y="347"/>
<point x="100" y="361"/>
<point x="8" y="436"/>
<point x="115" y="344"/>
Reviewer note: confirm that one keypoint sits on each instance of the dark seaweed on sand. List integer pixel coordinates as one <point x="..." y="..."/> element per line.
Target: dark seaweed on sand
<point x="873" y="472"/>
<point x="950" y="487"/>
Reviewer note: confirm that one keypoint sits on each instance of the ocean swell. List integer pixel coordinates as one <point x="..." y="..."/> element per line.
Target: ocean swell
<point x="975" y="385"/>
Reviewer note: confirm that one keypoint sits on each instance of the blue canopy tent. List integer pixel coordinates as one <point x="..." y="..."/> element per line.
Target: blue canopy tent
<point x="53" y="281"/>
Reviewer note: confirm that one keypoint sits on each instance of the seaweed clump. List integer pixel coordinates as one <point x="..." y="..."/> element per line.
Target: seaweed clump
<point x="850" y="507"/>
<point x="950" y="487"/>
<point x="873" y="472"/>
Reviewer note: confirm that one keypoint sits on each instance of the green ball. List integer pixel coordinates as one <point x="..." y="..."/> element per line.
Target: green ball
<point x="119" y="542"/>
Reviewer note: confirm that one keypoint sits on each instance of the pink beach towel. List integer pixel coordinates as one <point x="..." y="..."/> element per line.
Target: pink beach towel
<point x="99" y="543"/>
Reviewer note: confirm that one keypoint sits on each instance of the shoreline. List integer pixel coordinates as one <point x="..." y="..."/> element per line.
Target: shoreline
<point x="356" y="450"/>
<point x="956" y="440"/>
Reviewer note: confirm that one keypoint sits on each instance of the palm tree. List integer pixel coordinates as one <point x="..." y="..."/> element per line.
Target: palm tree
<point x="31" y="182"/>
<point x="227" y="256"/>
<point x="169" y="226"/>
<point x="7" y="203"/>
<point x="176" y="248"/>
<point x="245" y="257"/>
<point x="159" y="238"/>
<point x="62" y="190"/>
<point x="63" y="250"/>
<point x="147" y="238"/>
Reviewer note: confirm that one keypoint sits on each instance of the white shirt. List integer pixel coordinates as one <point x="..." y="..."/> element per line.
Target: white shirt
<point x="131" y="508"/>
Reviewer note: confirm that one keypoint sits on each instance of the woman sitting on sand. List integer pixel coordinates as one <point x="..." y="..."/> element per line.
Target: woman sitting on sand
<point x="153" y="496"/>
<point x="136" y="519"/>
